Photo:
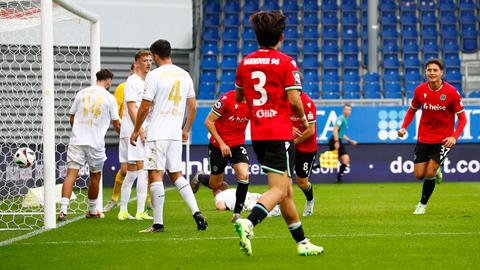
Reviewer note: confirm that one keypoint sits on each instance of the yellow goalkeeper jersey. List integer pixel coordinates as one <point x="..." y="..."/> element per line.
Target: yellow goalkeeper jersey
<point x="119" y="95"/>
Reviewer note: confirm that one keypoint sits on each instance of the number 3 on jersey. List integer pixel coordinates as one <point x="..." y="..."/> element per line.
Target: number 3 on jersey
<point x="259" y="88"/>
<point x="175" y="93"/>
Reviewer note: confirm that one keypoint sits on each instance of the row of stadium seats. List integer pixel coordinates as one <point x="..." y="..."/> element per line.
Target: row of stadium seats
<point x="325" y="39"/>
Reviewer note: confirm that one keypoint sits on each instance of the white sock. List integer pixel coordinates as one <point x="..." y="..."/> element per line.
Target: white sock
<point x="92" y="206"/>
<point x="142" y="189"/>
<point x="64" y="202"/>
<point x="157" y="193"/>
<point x="127" y="189"/>
<point x="187" y="194"/>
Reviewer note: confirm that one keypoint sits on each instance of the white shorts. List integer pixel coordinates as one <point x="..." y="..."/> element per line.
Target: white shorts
<point x="129" y="153"/>
<point x="78" y="155"/>
<point x="163" y="155"/>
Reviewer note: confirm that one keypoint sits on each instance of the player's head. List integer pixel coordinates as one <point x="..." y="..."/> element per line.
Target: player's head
<point x="224" y="186"/>
<point x="161" y="50"/>
<point x="347" y="110"/>
<point x="434" y="70"/>
<point x="143" y="61"/>
<point x="268" y="28"/>
<point x="104" y="78"/>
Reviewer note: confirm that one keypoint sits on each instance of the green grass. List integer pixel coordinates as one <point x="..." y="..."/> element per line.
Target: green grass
<point x="361" y="226"/>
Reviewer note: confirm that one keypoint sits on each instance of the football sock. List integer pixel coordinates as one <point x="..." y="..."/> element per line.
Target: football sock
<point x="342" y="169"/>
<point x="204" y="179"/>
<point x="117" y="186"/>
<point x="309" y="192"/>
<point x="240" y="194"/>
<point x="64" y="204"/>
<point x="258" y="213"/>
<point x="142" y="187"/>
<point x="92" y="206"/>
<point x="296" y="230"/>
<point x="127" y="189"/>
<point x="187" y="194"/>
<point x="427" y="190"/>
<point x="158" y="199"/>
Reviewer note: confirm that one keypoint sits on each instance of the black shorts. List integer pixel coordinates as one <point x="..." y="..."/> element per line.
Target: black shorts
<point x="218" y="163"/>
<point x="275" y="156"/>
<point x="341" y="150"/>
<point x="424" y="152"/>
<point x="304" y="163"/>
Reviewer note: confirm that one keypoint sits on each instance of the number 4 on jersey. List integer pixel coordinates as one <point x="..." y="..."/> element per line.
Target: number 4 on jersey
<point x="175" y="93"/>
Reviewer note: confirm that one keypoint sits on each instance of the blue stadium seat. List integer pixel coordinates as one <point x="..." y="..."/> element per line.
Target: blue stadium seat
<point x="248" y="33"/>
<point x="388" y="17"/>
<point x="428" y="17"/>
<point x="457" y="86"/>
<point x="330" y="61"/>
<point x="290" y="5"/>
<point x="310" y="61"/>
<point x="209" y="62"/>
<point x="210" y="47"/>
<point x="430" y="45"/>
<point x="409" y="31"/>
<point x="469" y="30"/>
<point x="429" y="55"/>
<point x="388" y="5"/>
<point x="390" y="45"/>
<point x="212" y="19"/>
<point x="389" y="31"/>
<point x="230" y="47"/>
<point x="271" y="5"/>
<point x="349" y="5"/>
<point x="349" y="32"/>
<point x="292" y="17"/>
<point x="212" y="6"/>
<point x="230" y="33"/>
<point x="391" y="75"/>
<point x="229" y="61"/>
<point x="310" y="75"/>
<point x="408" y="17"/>
<point x="310" y="17"/>
<point x="310" y="46"/>
<point x="311" y="88"/>
<point x="350" y="60"/>
<point x="429" y="31"/>
<point x="330" y="31"/>
<point x="208" y="75"/>
<point x="351" y="90"/>
<point x="349" y="46"/>
<point x="231" y="19"/>
<point x="474" y="94"/>
<point x="225" y="87"/>
<point x="410" y="45"/>
<point x="329" y="5"/>
<point x="232" y="6"/>
<point x="393" y="90"/>
<point x="371" y="77"/>
<point x="371" y="91"/>
<point x="411" y="60"/>
<point x="450" y="45"/>
<point x="331" y="91"/>
<point x="447" y="5"/>
<point x="349" y="17"/>
<point x="467" y="17"/>
<point x="427" y="5"/>
<point x="453" y="75"/>
<point x="291" y="32"/>
<point x="330" y="76"/>
<point x="452" y="60"/>
<point x="290" y="46"/>
<point x="469" y="44"/>
<point x="351" y="76"/>
<point x="390" y="60"/>
<point x="466" y="4"/>
<point x="249" y="46"/>
<point x="210" y="33"/>
<point x="410" y="88"/>
<point x="364" y="18"/>
<point x="310" y="5"/>
<point x="310" y="31"/>
<point x="449" y="31"/>
<point x="408" y="5"/>
<point x="207" y="90"/>
<point x="250" y="7"/>
<point x="330" y="46"/>
<point x="448" y="17"/>
<point x="246" y="19"/>
<point x="228" y="76"/>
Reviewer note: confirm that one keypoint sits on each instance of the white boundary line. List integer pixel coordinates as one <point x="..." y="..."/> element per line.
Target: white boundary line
<point x="95" y="242"/>
<point x="61" y="224"/>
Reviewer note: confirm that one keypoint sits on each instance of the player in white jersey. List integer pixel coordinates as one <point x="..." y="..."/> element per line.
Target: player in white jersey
<point x="225" y="200"/>
<point x="90" y="115"/>
<point x="168" y="91"/>
<point x="134" y="155"/>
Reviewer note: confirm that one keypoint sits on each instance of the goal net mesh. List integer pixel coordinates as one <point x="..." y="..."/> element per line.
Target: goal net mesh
<point x="21" y="190"/>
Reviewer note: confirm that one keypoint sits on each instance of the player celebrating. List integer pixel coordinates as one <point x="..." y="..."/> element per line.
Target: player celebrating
<point x="90" y="115"/>
<point x="270" y="82"/>
<point x="305" y="150"/>
<point x="336" y="143"/>
<point x="134" y="155"/>
<point x="227" y="122"/>
<point x="440" y="102"/>
<point x="168" y="90"/>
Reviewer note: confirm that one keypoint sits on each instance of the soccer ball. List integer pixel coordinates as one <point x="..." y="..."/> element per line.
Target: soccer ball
<point x="24" y="157"/>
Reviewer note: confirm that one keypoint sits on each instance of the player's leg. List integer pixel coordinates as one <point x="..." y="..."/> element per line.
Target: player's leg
<point x="95" y="160"/>
<point x="132" y="174"/>
<point x="173" y="166"/>
<point x="75" y="160"/>
<point x="199" y="178"/>
<point x="344" y="161"/>
<point x="421" y="163"/>
<point x="240" y="165"/>
<point x="142" y="190"/>
<point x="120" y="176"/>
<point x="303" y="168"/>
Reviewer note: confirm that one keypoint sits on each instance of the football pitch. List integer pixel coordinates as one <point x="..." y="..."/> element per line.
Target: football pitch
<point x="361" y="226"/>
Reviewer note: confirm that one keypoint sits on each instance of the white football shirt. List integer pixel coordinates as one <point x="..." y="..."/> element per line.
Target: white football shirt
<point x="94" y="108"/>
<point x="168" y="87"/>
<point x="133" y="91"/>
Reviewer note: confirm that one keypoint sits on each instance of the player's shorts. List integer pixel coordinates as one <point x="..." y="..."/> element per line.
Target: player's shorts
<point x="78" y="155"/>
<point x="123" y="150"/>
<point x="424" y="152"/>
<point x="341" y="149"/>
<point x="275" y="156"/>
<point x="164" y="155"/>
<point x="218" y="163"/>
<point x="304" y="163"/>
<point x="136" y="152"/>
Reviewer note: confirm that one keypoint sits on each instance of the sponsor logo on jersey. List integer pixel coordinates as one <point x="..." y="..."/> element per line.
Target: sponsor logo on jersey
<point x="428" y="106"/>
<point x="218" y="105"/>
<point x="239" y="119"/>
<point x="297" y="77"/>
<point x="266" y="113"/>
<point x="443" y="97"/>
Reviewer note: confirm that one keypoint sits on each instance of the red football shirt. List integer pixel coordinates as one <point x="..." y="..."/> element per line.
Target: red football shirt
<point x="310" y="145"/>
<point x="438" y="111"/>
<point x="265" y="77"/>
<point x="232" y="121"/>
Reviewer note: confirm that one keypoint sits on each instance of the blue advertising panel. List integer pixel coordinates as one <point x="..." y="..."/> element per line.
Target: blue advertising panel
<point x="367" y="124"/>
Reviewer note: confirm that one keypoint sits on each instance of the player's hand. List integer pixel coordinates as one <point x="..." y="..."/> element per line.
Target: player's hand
<point x="401" y="132"/>
<point x="449" y="142"/>
<point x="142" y="135"/>
<point x="353" y="142"/>
<point x="296" y="132"/>
<point x="133" y="138"/>
<point x="185" y="135"/>
<point x="225" y="150"/>
<point x="304" y="121"/>
<point x="337" y="145"/>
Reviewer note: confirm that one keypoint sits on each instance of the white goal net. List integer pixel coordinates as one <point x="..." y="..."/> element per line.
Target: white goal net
<point x="21" y="190"/>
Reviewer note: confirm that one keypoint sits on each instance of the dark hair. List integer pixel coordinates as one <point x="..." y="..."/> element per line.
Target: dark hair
<point x="104" y="74"/>
<point x="347" y="105"/>
<point x="161" y="48"/>
<point x="141" y="53"/>
<point x="132" y="66"/>
<point x="268" y="27"/>
<point x="436" y="61"/>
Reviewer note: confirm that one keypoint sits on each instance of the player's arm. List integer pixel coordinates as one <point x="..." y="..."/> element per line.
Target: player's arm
<point x="191" y="112"/>
<point x="72" y="119"/>
<point x="210" y="124"/>
<point x="335" y="137"/>
<point x="297" y="105"/>
<point x="239" y="96"/>
<point x="142" y="113"/>
<point x="306" y="134"/>
<point x="220" y="206"/>
<point x="350" y="141"/>
<point x="462" y="121"/>
<point x="415" y="105"/>
<point x="116" y="125"/>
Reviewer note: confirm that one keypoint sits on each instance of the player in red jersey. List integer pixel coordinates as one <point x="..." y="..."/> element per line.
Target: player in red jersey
<point x="227" y="122"/>
<point x="440" y="102"/>
<point x="305" y="150"/>
<point x="270" y="82"/>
